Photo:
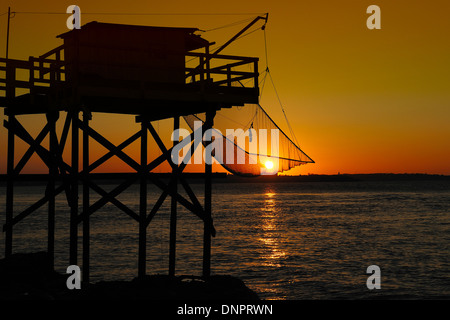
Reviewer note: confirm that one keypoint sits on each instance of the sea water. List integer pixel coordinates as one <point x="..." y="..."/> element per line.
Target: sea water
<point x="303" y="240"/>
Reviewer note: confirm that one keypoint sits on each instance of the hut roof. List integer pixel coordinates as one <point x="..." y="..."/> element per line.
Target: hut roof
<point x="192" y="41"/>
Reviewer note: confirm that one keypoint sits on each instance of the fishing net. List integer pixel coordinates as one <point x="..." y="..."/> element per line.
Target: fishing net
<point x="247" y="142"/>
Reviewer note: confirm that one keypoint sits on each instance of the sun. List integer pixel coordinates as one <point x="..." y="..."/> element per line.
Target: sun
<point x="269" y="164"/>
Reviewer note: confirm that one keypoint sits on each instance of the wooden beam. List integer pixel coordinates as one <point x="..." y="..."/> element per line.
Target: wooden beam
<point x="156" y="207"/>
<point x="114" y="151"/>
<point x="65" y="132"/>
<point x="9" y="191"/>
<point x="181" y="200"/>
<point x="249" y="75"/>
<point x="166" y="156"/>
<point x="62" y="169"/>
<point x="16" y="128"/>
<point x="46" y="156"/>
<point x="195" y="207"/>
<point x="30" y="210"/>
<point x="173" y="207"/>
<point x="86" y="200"/>
<point x="50" y="190"/>
<point x="73" y="254"/>
<point x="23" y="161"/>
<point x="106" y="197"/>
<point x="43" y="153"/>
<point x="111" y="147"/>
<point x="207" y="231"/>
<point x="176" y="171"/>
<point x="112" y="200"/>
<point x="143" y="205"/>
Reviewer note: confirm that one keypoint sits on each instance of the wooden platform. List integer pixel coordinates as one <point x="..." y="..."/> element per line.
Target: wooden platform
<point x="155" y="103"/>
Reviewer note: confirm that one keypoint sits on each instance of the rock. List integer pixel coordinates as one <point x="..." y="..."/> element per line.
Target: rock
<point x="28" y="277"/>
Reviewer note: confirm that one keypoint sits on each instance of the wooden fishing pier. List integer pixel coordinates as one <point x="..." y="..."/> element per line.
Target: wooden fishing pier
<point x="117" y="69"/>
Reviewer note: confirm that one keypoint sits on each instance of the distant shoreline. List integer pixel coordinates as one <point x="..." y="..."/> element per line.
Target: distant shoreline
<point x="226" y="178"/>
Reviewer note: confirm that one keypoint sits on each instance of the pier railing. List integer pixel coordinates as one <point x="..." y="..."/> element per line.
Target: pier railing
<point x="37" y="75"/>
<point x="46" y="74"/>
<point x="229" y="71"/>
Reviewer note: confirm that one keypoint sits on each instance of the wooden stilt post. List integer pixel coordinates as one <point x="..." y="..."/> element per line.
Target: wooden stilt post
<point x="9" y="190"/>
<point x="143" y="204"/>
<point x="173" y="211"/>
<point x="74" y="192"/>
<point x="50" y="192"/>
<point x="86" y="222"/>
<point x="208" y="194"/>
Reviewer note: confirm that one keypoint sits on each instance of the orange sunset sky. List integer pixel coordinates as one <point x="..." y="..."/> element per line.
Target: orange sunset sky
<point x="359" y="100"/>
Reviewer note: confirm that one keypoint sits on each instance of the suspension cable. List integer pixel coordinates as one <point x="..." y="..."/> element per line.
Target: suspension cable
<point x="228" y="25"/>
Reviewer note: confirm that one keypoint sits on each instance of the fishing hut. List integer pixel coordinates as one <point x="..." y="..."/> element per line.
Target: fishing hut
<point x="117" y="69"/>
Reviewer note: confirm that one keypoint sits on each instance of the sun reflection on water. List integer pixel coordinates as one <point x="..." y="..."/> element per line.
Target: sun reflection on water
<point x="270" y="235"/>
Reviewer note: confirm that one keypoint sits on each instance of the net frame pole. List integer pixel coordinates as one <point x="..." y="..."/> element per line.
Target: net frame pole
<point x="142" y="250"/>
<point x="207" y="232"/>
<point x="173" y="208"/>
<point x="73" y="255"/>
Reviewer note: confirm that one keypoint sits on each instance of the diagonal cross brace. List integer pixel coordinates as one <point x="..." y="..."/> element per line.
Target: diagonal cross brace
<point x="117" y="151"/>
<point x="31" y="209"/>
<point x="107" y="197"/>
<point x="47" y="157"/>
<point x="110" y="146"/>
<point x="113" y="200"/>
<point x="198" y="211"/>
<point x="43" y="153"/>
<point x="179" y="169"/>
<point x="23" y="161"/>
<point x="113" y="152"/>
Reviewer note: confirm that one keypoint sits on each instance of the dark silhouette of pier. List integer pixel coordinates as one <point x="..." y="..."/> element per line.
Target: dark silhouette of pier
<point x="117" y="69"/>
